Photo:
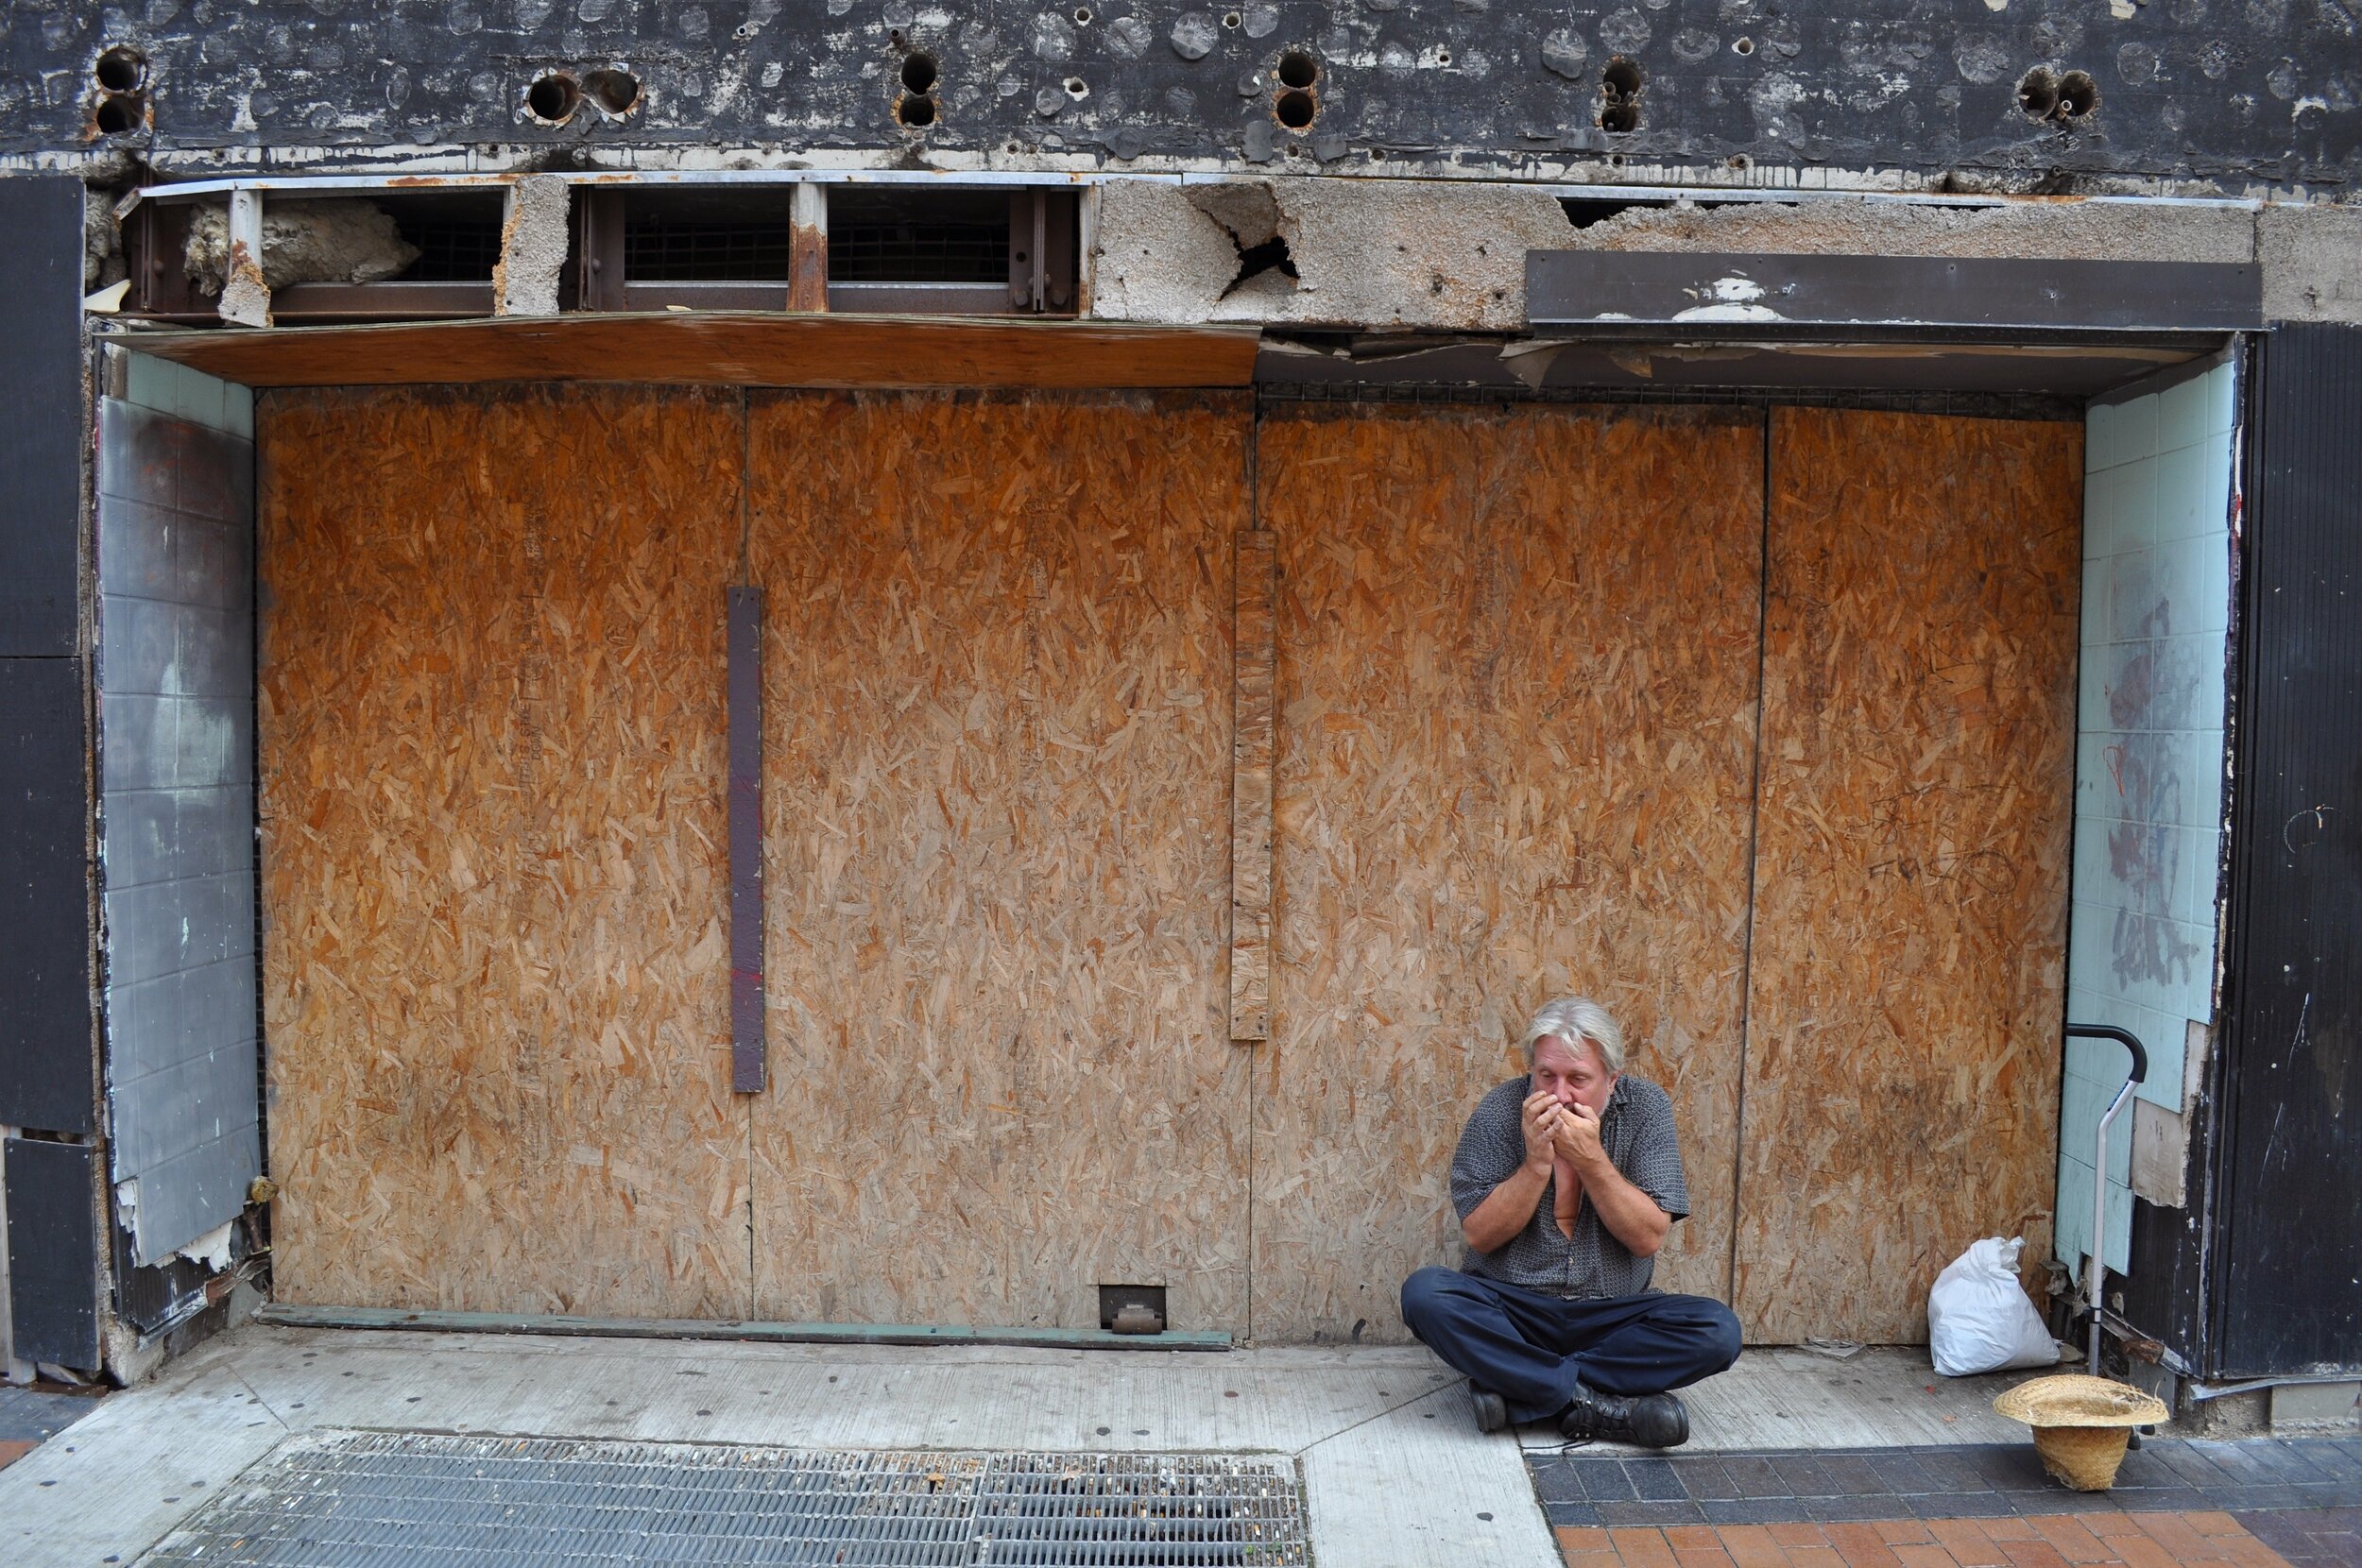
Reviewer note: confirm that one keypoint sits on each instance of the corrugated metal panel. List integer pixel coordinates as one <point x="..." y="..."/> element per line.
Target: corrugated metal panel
<point x="2290" y="1219"/>
<point x="175" y="678"/>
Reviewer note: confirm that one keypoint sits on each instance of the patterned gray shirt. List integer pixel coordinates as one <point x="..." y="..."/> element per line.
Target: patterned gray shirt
<point x="1637" y="1133"/>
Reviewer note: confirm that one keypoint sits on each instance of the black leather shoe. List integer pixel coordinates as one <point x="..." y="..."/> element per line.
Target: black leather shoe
<point x="1653" y="1420"/>
<point x="1492" y="1411"/>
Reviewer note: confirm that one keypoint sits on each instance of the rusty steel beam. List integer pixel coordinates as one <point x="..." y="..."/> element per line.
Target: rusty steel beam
<point x="746" y="825"/>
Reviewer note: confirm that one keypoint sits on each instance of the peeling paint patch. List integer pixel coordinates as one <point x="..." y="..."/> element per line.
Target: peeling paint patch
<point x="1729" y="313"/>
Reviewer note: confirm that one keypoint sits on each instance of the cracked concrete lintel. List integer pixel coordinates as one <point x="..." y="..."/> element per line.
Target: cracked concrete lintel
<point x="1376" y="254"/>
<point x="533" y="247"/>
<point x="1426" y="255"/>
<point x="2312" y="262"/>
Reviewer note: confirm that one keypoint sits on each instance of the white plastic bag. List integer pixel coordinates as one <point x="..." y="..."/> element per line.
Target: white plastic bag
<point x="1979" y="1319"/>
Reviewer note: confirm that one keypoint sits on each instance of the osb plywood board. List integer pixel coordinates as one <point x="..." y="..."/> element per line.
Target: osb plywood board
<point x="1918" y="760"/>
<point x="997" y="694"/>
<point x="1516" y="688"/>
<point x="736" y="348"/>
<point x="496" y="978"/>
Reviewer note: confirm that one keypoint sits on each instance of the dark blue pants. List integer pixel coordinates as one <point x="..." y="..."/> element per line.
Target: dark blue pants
<point x="1530" y="1348"/>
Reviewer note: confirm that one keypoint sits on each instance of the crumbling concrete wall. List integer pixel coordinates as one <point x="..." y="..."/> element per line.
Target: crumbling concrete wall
<point x="533" y="247"/>
<point x="2228" y="95"/>
<point x="1428" y="255"/>
<point x="1365" y="253"/>
<point x="303" y="242"/>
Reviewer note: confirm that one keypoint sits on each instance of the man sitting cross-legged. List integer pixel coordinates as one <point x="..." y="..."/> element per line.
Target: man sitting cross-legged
<point x="1566" y="1181"/>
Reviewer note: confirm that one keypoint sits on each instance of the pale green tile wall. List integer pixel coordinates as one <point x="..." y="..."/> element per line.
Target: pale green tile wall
<point x="191" y="394"/>
<point x="2149" y="766"/>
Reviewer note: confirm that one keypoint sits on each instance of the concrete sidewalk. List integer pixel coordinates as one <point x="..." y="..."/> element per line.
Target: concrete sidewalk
<point x="1394" y="1468"/>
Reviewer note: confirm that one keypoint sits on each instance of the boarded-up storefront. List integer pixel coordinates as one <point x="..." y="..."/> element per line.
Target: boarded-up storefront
<point x="1754" y="723"/>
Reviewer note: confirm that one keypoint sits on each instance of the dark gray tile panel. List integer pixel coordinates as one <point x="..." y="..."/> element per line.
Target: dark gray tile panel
<point x="46" y="1034"/>
<point x="44" y="415"/>
<point x="49" y="1189"/>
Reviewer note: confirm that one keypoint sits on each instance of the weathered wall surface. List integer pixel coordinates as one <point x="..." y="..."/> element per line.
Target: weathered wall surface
<point x="1408" y="254"/>
<point x="1518" y="754"/>
<point x="1517" y="689"/>
<point x="495" y="973"/>
<point x="1907" y="970"/>
<point x="998" y="732"/>
<point x="2149" y="784"/>
<point x="2264" y="93"/>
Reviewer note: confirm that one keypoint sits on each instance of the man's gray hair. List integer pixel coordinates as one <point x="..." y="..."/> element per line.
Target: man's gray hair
<point x="1571" y="1020"/>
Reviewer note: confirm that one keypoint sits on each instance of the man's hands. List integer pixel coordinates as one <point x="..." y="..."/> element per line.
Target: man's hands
<point x="1540" y="1120"/>
<point x="1555" y="1132"/>
<point x="1576" y="1136"/>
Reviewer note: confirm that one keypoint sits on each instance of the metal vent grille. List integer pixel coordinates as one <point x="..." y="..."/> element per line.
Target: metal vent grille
<point x="438" y="1502"/>
<point x="450" y="249"/>
<point x="663" y="248"/>
<point x="883" y="236"/>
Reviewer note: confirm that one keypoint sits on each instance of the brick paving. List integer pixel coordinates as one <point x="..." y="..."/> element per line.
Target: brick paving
<point x="2261" y="1503"/>
<point x="2161" y="1539"/>
<point x="2310" y="1537"/>
<point x="30" y="1416"/>
<point x="1963" y="1481"/>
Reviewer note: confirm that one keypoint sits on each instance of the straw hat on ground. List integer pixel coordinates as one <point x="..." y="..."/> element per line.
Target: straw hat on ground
<point x="2080" y="1425"/>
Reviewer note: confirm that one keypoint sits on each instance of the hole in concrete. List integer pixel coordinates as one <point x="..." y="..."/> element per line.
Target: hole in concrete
<point x="1077" y="89"/>
<point x="1619" y="96"/>
<point x="553" y="100"/>
<point x="1442" y="57"/>
<point x="1082" y="16"/>
<point x="2078" y="96"/>
<point x="1231" y="19"/>
<point x="2038" y="94"/>
<point x="915" y="108"/>
<point x="1583" y="213"/>
<point x="918" y="72"/>
<point x="1256" y="260"/>
<point x="121" y="111"/>
<point x="1298" y="69"/>
<point x="1745" y="45"/>
<point x="615" y="92"/>
<point x="1297" y="108"/>
<point x="122" y="69"/>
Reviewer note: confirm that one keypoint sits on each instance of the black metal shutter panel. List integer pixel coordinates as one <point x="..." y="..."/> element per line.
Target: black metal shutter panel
<point x="2290" y="1227"/>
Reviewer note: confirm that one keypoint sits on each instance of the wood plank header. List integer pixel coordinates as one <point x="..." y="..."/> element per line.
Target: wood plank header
<point x="729" y="349"/>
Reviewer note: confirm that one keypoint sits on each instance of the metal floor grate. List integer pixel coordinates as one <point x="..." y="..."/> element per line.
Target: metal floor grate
<point x="365" y="1499"/>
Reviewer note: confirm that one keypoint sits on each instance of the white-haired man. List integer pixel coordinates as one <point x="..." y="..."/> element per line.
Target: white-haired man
<point x="1566" y="1181"/>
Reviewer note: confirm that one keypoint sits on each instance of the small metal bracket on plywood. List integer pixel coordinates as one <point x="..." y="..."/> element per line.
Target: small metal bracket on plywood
<point x="1856" y="297"/>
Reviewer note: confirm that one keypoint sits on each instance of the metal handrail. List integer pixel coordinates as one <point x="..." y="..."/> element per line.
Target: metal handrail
<point x="2130" y="1042"/>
